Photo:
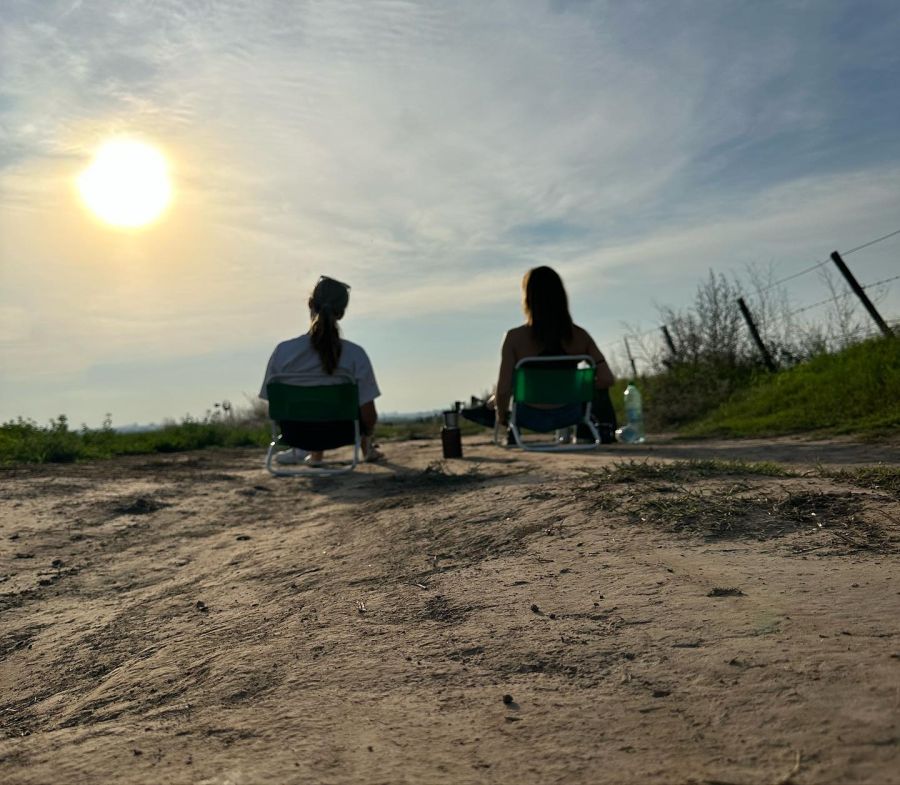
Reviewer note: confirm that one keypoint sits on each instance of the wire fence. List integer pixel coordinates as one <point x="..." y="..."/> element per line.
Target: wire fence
<point x="855" y="307"/>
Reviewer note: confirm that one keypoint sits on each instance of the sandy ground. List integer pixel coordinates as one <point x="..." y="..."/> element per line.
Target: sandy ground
<point x="188" y="618"/>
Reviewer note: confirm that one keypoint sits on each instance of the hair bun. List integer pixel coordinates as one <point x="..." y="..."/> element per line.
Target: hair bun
<point x="331" y="295"/>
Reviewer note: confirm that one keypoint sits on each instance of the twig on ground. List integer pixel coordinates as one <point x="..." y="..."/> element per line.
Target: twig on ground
<point x="787" y="778"/>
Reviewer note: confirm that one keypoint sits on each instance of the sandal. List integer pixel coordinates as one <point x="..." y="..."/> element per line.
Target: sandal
<point x="374" y="454"/>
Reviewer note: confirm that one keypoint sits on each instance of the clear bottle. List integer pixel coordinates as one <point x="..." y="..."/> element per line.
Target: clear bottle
<point x="634" y="412"/>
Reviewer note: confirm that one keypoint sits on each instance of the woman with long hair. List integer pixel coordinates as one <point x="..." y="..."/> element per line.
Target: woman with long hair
<point x="549" y="331"/>
<point x="322" y="350"/>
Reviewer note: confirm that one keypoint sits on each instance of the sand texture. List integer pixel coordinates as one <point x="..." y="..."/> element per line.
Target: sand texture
<point x="505" y="618"/>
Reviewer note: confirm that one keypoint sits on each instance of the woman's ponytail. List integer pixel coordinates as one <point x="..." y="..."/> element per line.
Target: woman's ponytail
<point x="326" y="339"/>
<point x="326" y="307"/>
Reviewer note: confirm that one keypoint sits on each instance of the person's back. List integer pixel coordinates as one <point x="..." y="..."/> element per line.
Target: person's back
<point x="299" y="356"/>
<point x="523" y="343"/>
<point x="322" y="352"/>
<point x="549" y="332"/>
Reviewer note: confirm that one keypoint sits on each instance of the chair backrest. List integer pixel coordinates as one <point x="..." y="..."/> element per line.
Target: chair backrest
<point x="313" y="403"/>
<point x="552" y="385"/>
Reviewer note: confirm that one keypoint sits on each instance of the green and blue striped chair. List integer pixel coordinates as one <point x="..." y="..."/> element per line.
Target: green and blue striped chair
<point x="561" y="380"/>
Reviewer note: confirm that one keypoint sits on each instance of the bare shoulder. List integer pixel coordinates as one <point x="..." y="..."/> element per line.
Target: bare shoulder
<point x="517" y="336"/>
<point x="582" y="337"/>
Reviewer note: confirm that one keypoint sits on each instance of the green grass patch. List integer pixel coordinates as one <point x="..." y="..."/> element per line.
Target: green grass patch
<point x="24" y="441"/>
<point x="853" y="391"/>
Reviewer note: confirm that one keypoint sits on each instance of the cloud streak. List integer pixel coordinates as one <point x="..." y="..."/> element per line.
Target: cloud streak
<point x="429" y="153"/>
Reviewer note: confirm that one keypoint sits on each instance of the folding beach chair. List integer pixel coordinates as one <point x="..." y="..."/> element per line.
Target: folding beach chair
<point x="541" y="380"/>
<point x="313" y="416"/>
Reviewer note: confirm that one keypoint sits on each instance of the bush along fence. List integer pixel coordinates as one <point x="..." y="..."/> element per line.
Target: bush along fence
<point x="709" y="330"/>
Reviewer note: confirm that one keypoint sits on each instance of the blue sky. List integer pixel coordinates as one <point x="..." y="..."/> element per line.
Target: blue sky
<point x="429" y="154"/>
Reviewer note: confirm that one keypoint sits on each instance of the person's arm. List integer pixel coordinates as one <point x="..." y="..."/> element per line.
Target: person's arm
<point x="368" y="417"/>
<point x="270" y="372"/>
<point x="504" y="379"/>
<point x="604" y="376"/>
<point x="368" y="392"/>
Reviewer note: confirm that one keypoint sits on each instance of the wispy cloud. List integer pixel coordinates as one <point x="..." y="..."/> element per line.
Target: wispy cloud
<point x="429" y="153"/>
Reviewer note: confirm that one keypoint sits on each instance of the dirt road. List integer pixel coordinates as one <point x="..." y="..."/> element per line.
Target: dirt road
<point x="508" y="618"/>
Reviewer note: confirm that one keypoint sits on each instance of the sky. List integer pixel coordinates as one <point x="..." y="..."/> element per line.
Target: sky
<point x="428" y="153"/>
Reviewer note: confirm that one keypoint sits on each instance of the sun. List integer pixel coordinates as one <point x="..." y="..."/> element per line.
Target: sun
<point x="127" y="184"/>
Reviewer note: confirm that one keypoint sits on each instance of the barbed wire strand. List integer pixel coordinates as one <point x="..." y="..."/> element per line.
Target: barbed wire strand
<point x="771" y="286"/>
<point x="811" y="268"/>
<point x="871" y="242"/>
<point x="840" y="296"/>
<point x="823" y="262"/>
<point x="832" y="299"/>
<point x="878" y="283"/>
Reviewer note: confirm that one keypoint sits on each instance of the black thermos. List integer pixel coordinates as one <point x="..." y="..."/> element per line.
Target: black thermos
<point x="451" y="437"/>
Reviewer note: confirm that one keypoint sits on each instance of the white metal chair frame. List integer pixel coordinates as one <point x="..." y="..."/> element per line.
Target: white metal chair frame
<point x="325" y="469"/>
<point x="553" y="446"/>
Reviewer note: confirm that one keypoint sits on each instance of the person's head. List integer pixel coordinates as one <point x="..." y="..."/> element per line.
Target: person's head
<point x="327" y="305"/>
<point x="546" y="308"/>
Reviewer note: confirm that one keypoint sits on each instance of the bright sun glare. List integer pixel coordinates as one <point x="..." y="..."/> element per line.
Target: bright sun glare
<point x="127" y="184"/>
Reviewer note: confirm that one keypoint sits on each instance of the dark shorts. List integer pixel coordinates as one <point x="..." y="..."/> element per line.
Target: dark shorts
<point x="602" y="412"/>
<point x="545" y="420"/>
<point x="318" y="436"/>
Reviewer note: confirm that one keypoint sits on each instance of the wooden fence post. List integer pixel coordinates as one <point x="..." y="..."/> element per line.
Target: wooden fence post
<point x="860" y="292"/>
<point x="767" y="358"/>
<point x="630" y="359"/>
<point x="669" y="342"/>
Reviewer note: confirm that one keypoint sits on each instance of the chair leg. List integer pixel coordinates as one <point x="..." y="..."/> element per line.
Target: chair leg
<point x="309" y="471"/>
<point x="514" y="429"/>
<point x="554" y="447"/>
<point x="269" y="454"/>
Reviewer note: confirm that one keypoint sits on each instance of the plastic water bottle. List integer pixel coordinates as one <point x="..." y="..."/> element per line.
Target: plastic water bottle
<point x="634" y="412"/>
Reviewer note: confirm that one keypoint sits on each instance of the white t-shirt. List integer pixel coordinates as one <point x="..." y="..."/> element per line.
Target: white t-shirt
<point x="299" y="356"/>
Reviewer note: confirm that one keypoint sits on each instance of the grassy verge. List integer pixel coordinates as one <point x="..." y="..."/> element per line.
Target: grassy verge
<point x="854" y="391"/>
<point x="24" y="441"/>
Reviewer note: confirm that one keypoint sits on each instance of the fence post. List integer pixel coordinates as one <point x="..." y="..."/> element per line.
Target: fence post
<point x="669" y="342"/>
<point x="767" y="358"/>
<point x="630" y="359"/>
<point x="858" y="290"/>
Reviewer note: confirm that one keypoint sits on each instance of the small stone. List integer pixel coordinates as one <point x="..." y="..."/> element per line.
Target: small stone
<point x="535" y="609"/>
<point x="507" y="699"/>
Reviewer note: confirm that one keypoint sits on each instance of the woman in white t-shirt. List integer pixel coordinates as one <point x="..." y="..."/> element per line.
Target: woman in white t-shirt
<point x="322" y="350"/>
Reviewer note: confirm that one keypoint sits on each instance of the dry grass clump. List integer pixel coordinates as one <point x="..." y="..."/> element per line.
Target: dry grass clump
<point x="683" y="471"/>
<point x="878" y="478"/>
<point x="744" y="510"/>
